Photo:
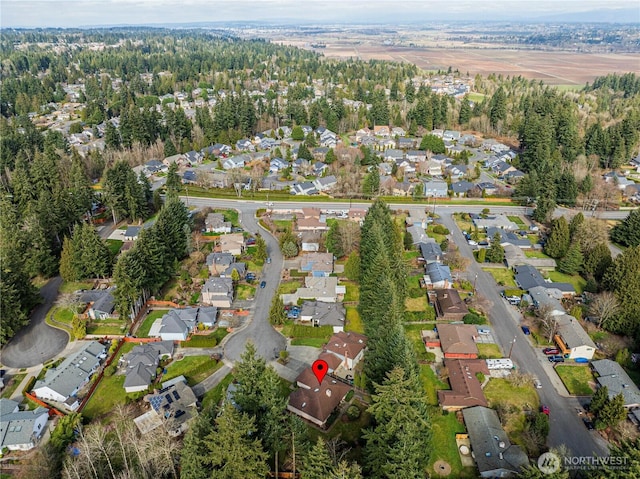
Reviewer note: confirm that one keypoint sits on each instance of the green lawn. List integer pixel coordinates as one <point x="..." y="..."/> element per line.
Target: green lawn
<point x="202" y="341"/>
<point x="353" y="320"/>
<point x="313" y="342"/>
<point x="143" y="330"/>
<point x="523" y="398"/>
<point x="577" y="379"/>
<point x="10" y="388"/>
<point x="489" y="351"/>
<point x="73" y="286"/>
<point x="230" y="215"/>
<point x="502" y="276"/>
<point x="63" y="315"/>
<point x="114" y="246"/>
<point x="409" y="255"/>
<point x="301" y="334"/>
<point x="416" y="304"/>
<point x="282" y="225"/>
<point x="517" y="220"/>
<point x="443" y="430"/>
<point x="353" y="291"/>
<point x="475" y="97"/>
<point x="289" y="287"/>
<point x="214" y="396"/>
<point x="245" y="291"/>
<point x="413" y="335"/>
<point x="110" y="391"/>
<point x="107" y="327"/>
<point x="194" y="368"/>
<point x="438" y="237"/>
<point x="576" y="280"/>
<point x="529" y="253"/>
<point x="349" y="431"/>
<point x="431" y="384"/>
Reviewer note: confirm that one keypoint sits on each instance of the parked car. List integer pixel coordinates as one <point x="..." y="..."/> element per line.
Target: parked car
<point x="526" y="330"/>
<point x="545" y="409"/>
<point x="472" y="243"/>
<point x="268" y="259"/>
<point x="556" y="359"/>
<point x="551" y="351"/>
<point x="537" y="383"/>
<point x="587" y="422"/>
<point x="484" y="331"/>
<point x="263" y="284"/>
<point x="250" y="241"/>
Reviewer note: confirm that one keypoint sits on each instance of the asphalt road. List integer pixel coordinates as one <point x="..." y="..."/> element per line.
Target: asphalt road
<point x="566" y="427"/>
<point x="38" y="342"/>
<point x="267" y="340"/>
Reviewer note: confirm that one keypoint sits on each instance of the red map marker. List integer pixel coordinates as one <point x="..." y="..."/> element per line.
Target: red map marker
<point x="320" y="368"/>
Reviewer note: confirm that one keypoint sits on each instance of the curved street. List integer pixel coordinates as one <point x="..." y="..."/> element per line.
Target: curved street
<point x="38" y="342"/>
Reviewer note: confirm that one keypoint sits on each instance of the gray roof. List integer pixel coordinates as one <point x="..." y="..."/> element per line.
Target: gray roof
<point x="573" y="334"/>
<point x="139" y="375"/>
<point x="132" y="231"/>
<point x="430" y="251"/>
<point x="490" y="444"/>
<point x="528" y="277"/>
<point x="17" y="428"/>
<point x="218" y="286"/>
<point x="544" y="297"/>
<point x="418" y="234"/>
<point x="73" y="371"/>
<point x="241" y="268"/>
<point x="324" y="313"/>
<point x="612" y="375"/>
<point x="462" y="186"/>
<point x="438" y="272"/>
<point x="223" y="259"/>
<point x="508" y="237"/>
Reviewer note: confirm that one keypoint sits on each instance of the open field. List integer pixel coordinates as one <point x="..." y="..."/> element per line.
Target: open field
<point x="568" y="70"/>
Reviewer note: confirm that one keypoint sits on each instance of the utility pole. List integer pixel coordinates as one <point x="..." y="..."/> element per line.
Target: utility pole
<point x="511" y="348"/>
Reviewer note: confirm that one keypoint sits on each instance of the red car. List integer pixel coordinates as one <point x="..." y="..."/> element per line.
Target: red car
<point x="545" y="410"/>
<point x="551" y="351"/>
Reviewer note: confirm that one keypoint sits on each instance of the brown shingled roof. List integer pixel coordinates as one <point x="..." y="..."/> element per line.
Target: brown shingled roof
<point x="318" y="402"/>
<point x="458" y="338"/>
<point x="346" y="344"/>
<point x="466" y="390"/>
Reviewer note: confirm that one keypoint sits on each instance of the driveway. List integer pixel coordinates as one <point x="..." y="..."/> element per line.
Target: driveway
<point x="37" y="342"/>
<point x="267" y="340"/>
<point x="566" y="426"/>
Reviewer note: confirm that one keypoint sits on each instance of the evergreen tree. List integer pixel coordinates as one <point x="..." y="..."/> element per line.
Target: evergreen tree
<point x="432" y="143"/>
<point x="628" y="452"/>
<point x="598" y="400"/>
<point x="623" y="279"/>
<point x="290" y="249"/>
<point x="495" y="253"/>
<point x="465" y="112"/>
<point x="371" y="183"/>
<point x="566" y="189"/>
<point x="572" y="262"/>
<point x="297" y="134"/>
<point x="173" y="185"/>
<point x="330" y="157"/>
<point x="260" y="253"/>
<point x="575" y="223"/>
<point x="597" y="260"/>
<point x="317" y="463"/>
<point x="397" y="444"/>
<point x="627" y="232"/>
<point x="557" y="243"/>
<point x="304" y="153"/>
<point x="169" y="148"/>
<point x="611" y="413"/>
<point x="277" y="314"/>
<point x="498" y="107"/>
<point x="333" y="241"/>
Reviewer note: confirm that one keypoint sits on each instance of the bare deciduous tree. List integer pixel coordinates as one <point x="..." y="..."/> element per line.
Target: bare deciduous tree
<point x="548" y="321"/>
<point x="604" y="306"/>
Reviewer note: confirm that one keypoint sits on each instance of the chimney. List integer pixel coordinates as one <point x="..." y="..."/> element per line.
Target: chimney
<point x="328" y="393"/>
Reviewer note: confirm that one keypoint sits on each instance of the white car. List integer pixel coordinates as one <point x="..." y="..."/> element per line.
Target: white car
<point x="537" y="383"/>
<point x="472" y="243"/>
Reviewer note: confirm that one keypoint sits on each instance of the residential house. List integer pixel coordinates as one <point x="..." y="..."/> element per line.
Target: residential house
<point x="153" y="167"/>
<point x="312" y="224"/>
<point x="466" y="390"/>
<point x="461" y="188"/>
<point x="406" y="143"/>
<point x="325" y="183"/>
<point x="434" y="168"/>
<point x="219" y="150"/>
<point x="232" y="243"/>
<point x="451" y="135"/>
<point x="418" y="234"/>
<point x="381" y="130"/>
<point x="507" y="237"/>
<point x="310" y="241"/>
<point x="363" y="133"/>
<point x="65" y="380"/>
<point x="495" y="221"/>
<point x="178" y="324"/>
<point x="514" y="256"/>
<point x="514" y="176"/>
<point x="437" y="276"/>
<point x="245" y="145"/>
<point x="305" y="188"/>
<point x="193" y="157"/>
<point x="276" y="165"/>
<point x="398" y="131"/>
<point x="611" y="374"/>
<point x="435" y="189"/>
<point x="487" y="187"/>
<point x="101" y="303"/>
<point x="21" y="430"/>
<point x="502" y="168"/>
<point x="240" y="268"/>
<point x="219" y="262"/>
<point x="527" y="277"/>
<point x="319" y="167"/>
<point x="393" y="155"/>
<point x="316" y="402"/>
<point x="142" y="363"/>
<point x="385" y="143"/>
<point x="548" y="299"/>
<point x="319" y="313"/>
<point x="217" y="292"/>
<point x="132" y="233"/>
<point x="618" y="179"/>
<point x="322" y="288"/>
<point x="494" y="454"/>
<point x="189" y="177"/>
<point x="430" y="252"/>
<point x="458" y="341"/>
<point x="357" y="214"/>
<point x="234" y="162"/>
<point x="173" y="407"/>
<point x="215" y="223"/>
<point x="457" y="172"/>
<point x="449" y="305"/>
<point x="572" y="339"/>
<point x="348" y="347"/>
<point x="416" y="155"/>
<point x="317" y="264"/>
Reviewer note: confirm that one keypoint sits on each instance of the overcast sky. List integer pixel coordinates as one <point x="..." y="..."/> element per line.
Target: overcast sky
<point x="75" y="13"/>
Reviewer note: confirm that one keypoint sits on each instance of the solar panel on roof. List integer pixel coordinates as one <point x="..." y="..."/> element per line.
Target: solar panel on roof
<point x="176" y="395"/>
<point x="168" y="398"/>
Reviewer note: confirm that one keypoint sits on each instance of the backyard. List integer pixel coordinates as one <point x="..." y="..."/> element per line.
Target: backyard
<point x="307" y="335"/>
<point x="502" y="394"/>
<point x="576" y="280"/>
<point x="489" y="351"/>
<point x="353" y="320"/>
<point x="145" y="327"/>
<point x="444" y="428"/>
<point x="194" y="368"/>
<point x="104" y="327"/>
<point x="578" y="380"/>
<point x="353" y="291"/>
<point x="415" y="338"/>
